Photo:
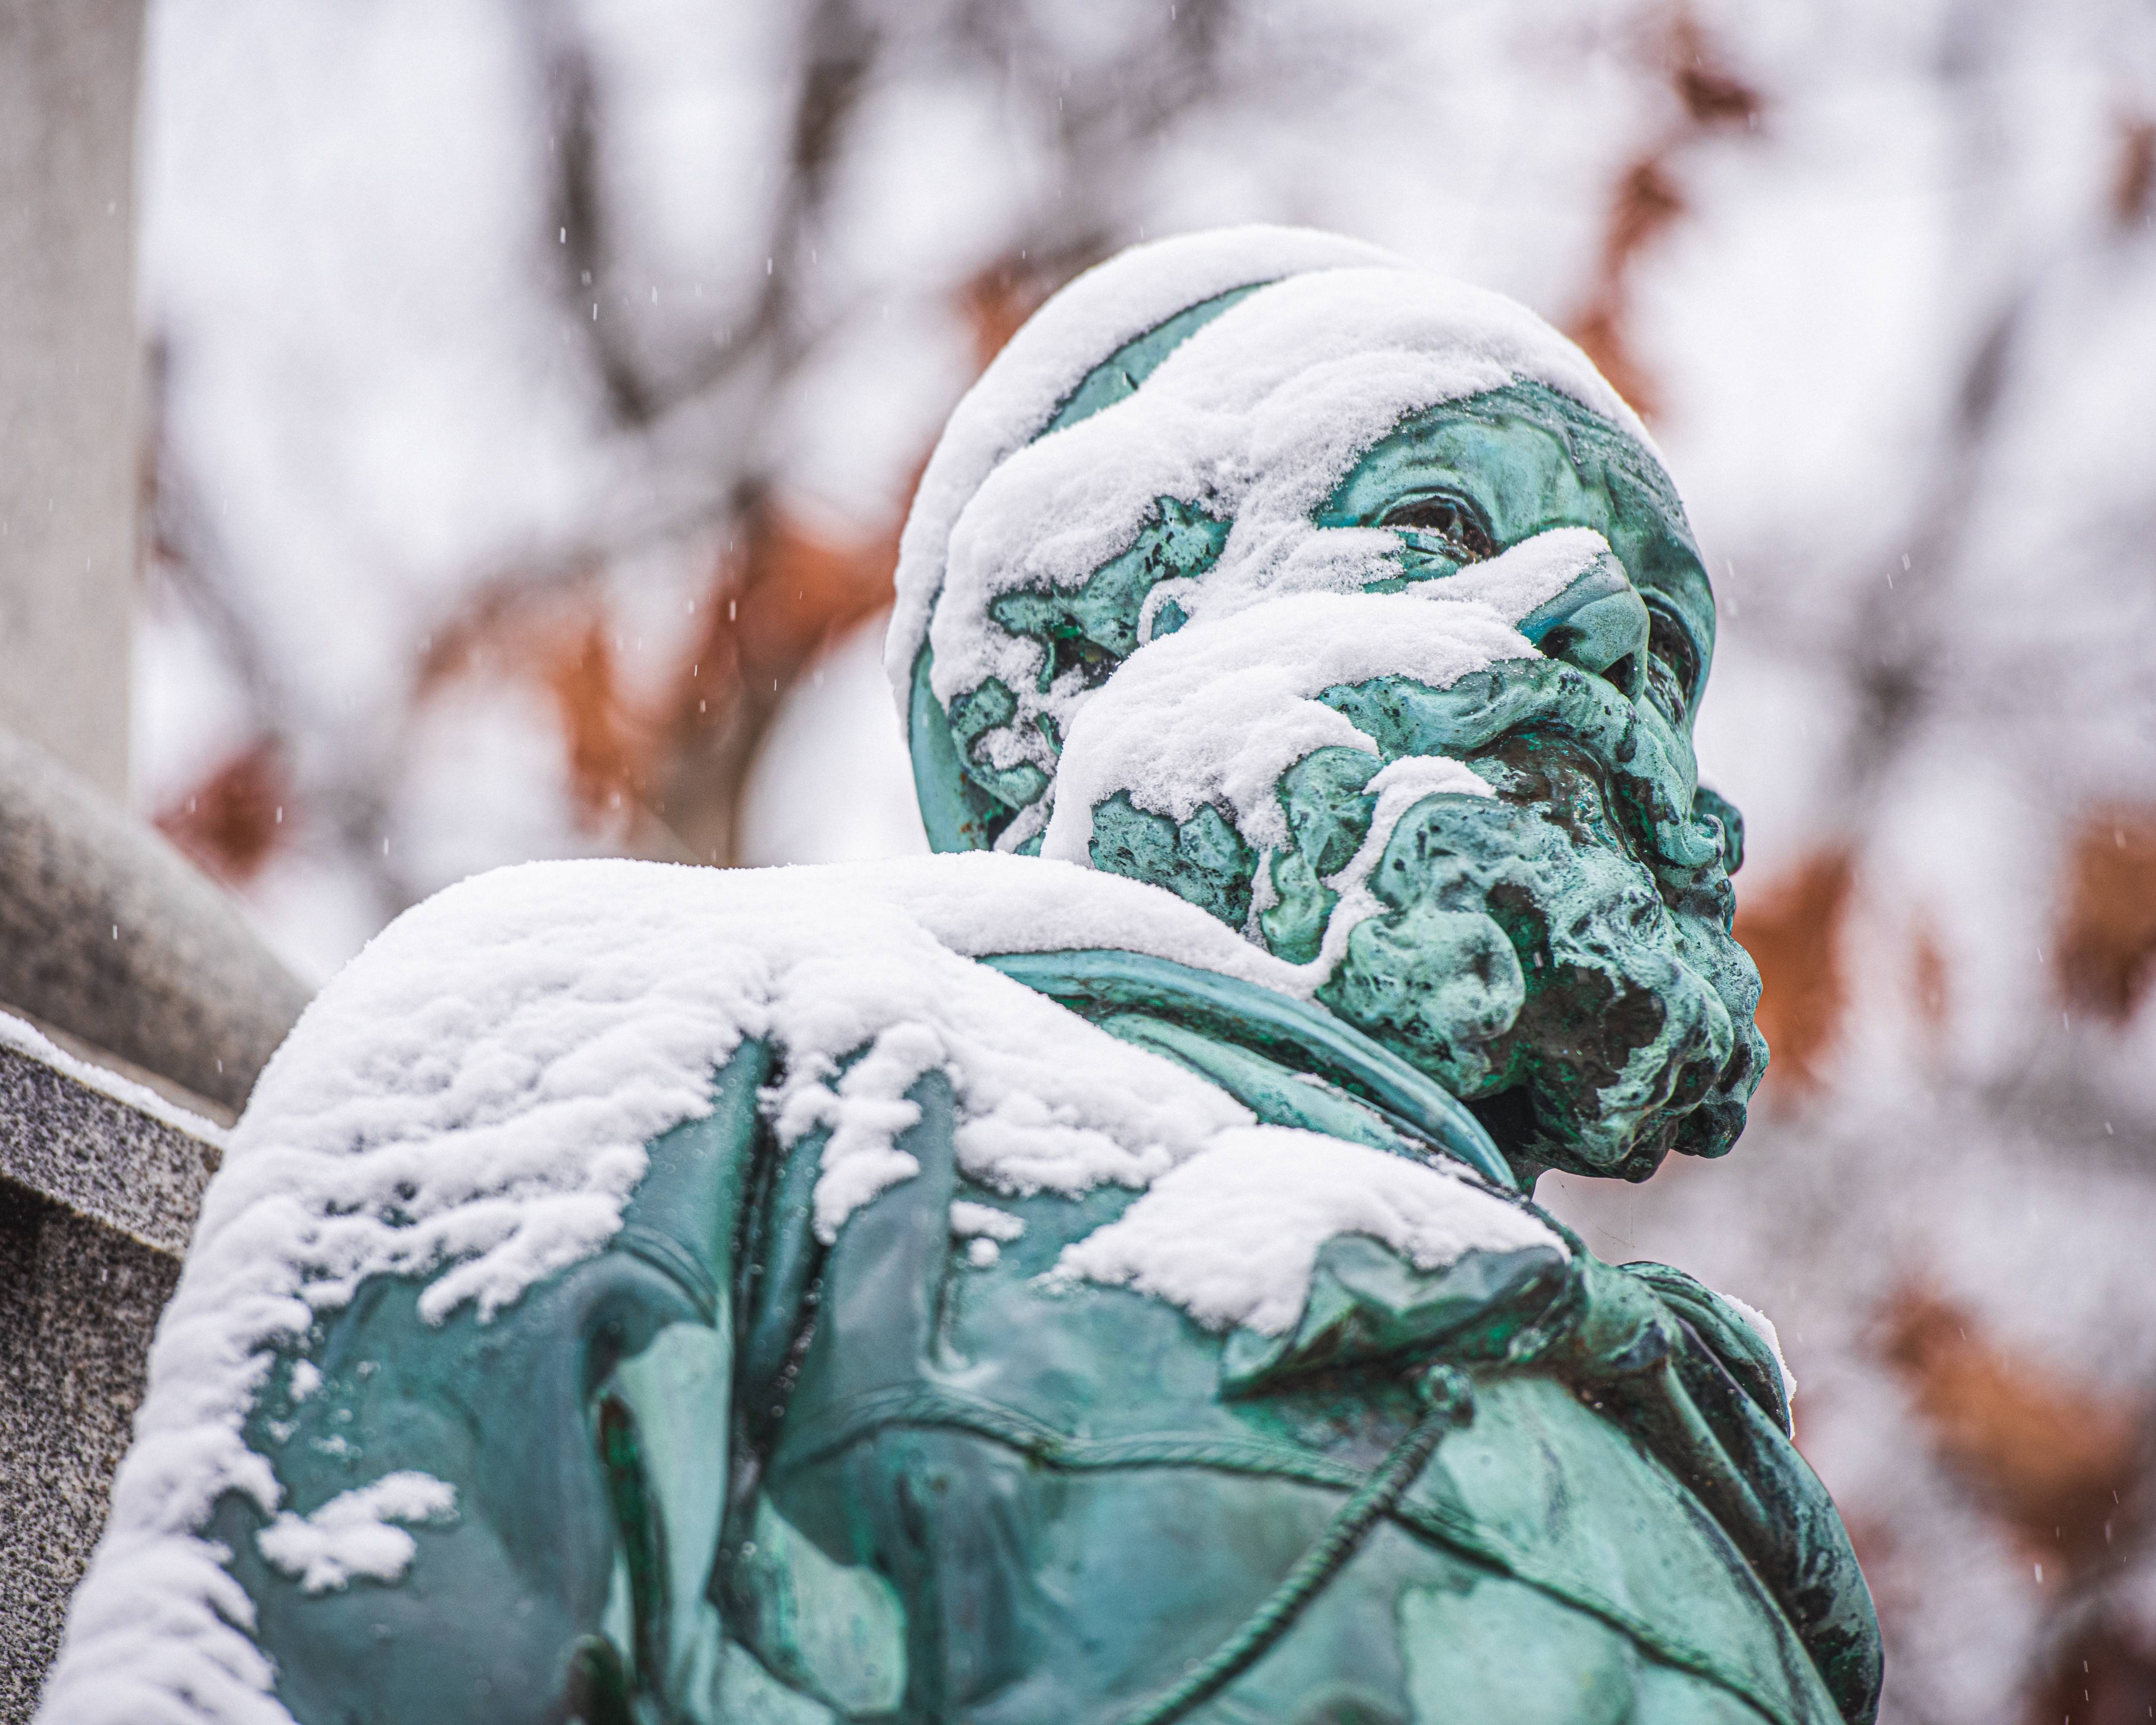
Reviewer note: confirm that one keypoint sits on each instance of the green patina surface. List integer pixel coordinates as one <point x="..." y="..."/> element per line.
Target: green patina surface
<point x="724" y="1471"/>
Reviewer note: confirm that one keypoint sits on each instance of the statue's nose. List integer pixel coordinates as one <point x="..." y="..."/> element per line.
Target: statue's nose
<point x="1598" y="623"/>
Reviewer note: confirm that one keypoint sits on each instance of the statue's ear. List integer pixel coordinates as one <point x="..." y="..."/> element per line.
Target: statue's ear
<point x="1724" y="812"/>
<point x="958" y="813"/>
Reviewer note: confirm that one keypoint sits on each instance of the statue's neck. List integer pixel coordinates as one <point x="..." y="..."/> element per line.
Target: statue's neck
<point x="1102" y="983"/>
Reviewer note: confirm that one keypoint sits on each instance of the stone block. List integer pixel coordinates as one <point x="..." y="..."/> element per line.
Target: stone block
<point x="99" y="1183"/>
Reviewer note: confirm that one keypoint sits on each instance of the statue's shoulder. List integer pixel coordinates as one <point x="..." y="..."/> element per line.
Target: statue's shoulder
<point x="620" y="929"/>
<point x="524" y="1036"/>
<point x="1740" y="1338"/>
<point x="533" y="960"/>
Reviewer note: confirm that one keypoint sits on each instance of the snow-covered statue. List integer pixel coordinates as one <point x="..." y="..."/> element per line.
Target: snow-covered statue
<point x="1091" y="1277"/>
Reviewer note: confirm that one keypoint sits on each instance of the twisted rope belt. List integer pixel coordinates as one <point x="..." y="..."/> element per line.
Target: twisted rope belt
<point x="1449" y="1400"/>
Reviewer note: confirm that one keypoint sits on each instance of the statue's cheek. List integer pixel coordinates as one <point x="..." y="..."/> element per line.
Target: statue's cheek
<point x="1203" y="860"/>
<point x="1440" y="986"/>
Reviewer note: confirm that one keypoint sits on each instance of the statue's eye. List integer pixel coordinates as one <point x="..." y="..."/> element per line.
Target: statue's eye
<point x="1068" y="650"/>
<point x="1452" y="519"/>
<point x="1672" y="663"/>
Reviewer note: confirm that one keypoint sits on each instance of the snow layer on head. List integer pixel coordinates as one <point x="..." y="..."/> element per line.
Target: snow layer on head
<point x="1216" y="714"/>
<point x="1110" y="304"/>
<point x="1254" y="421"/>
<point x="1528" y="575"/>
<point x="1232" y="1235"/>
<point x="470" y="1101"/>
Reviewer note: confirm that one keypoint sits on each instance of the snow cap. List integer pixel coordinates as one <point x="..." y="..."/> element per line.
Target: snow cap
<point x="1243" y="371"/>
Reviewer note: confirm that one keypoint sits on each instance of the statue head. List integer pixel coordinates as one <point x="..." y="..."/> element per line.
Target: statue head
<point x="1350" y="604"/>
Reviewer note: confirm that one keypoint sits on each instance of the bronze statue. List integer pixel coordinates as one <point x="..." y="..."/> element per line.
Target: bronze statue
<point x="1098" y="1281"/>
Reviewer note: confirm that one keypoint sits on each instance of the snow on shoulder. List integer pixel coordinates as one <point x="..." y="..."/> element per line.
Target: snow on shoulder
<point x="469" y="1102"/>
<point x="1232" y="1235"/>
<point x="353" y="1533"/>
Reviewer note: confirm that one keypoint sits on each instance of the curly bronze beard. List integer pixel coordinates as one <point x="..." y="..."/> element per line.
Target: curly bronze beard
<point x="1594" y="1025"/>
<point x="1560" y="956"/>
<point x="1557" y="955"/>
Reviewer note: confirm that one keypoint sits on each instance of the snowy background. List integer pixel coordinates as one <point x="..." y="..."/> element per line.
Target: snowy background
<point x="537" y="389"/>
